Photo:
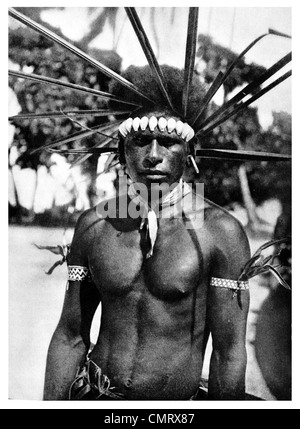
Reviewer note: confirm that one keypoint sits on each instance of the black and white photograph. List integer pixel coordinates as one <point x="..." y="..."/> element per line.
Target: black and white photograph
<point x="150" y="206"/>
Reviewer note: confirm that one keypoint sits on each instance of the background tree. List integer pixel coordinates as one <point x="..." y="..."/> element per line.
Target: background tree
<point x="31" y="52"/>
<point x="229" y="181"/>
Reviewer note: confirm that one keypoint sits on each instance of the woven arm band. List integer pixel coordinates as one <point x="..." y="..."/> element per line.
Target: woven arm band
<point x="77" y="273"/>
<point x="229" y="284"/>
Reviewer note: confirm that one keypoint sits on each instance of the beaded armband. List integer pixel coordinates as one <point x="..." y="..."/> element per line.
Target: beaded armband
<point x="229" y="284"/>
<point x="77" y="273"/>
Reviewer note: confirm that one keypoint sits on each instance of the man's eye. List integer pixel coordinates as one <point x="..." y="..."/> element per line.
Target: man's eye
<point x="145" y="140"/>
<point x="167" y="142"/>
<point x="140" y="142"/>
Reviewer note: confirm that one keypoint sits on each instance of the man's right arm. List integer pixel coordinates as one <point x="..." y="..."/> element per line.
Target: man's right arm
<point x="67" y="349"/>
<point x="70" y="341"/>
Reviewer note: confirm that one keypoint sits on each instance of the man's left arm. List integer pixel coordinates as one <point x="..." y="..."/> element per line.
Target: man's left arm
<point x="227" y="314"/>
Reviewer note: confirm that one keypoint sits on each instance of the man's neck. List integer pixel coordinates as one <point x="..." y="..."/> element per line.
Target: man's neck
<point x="157" y="194"/>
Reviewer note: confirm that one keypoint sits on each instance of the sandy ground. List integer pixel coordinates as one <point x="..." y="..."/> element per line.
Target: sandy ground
<point x="35" y="302"/>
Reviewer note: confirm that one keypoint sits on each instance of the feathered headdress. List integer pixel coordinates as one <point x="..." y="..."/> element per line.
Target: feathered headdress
<point x="201" y="123"/>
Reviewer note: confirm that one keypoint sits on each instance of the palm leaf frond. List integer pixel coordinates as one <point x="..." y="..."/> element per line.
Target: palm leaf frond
<point x="70" y="47"/>
<point x="69" y="113"/>
<point x="57" y="250"/>
<point x="258" y="264"/>
<point x="278" y="33"/>
<point x="278" y="277"/>
<point x="147" y="49"/>
<point x="189" y="56"/>
<point x="102" y="129"/>
<point x="79" y="124"/>
<point x="271" y="243"/>
<point x="241" y="155"/>
<point x="110" y="161"/>
<point x="102" y="144"/>
<point x="91" y="150"/>
<point x="57" y="82"/>
<point x="207" y="98"/>
<point x="221" y="77"/>
<point x="250" y="88"/>
<point x="242" y="105"/>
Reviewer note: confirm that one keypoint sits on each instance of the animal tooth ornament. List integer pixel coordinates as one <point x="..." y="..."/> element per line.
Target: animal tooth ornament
<point x="185" y="131"/>
<point x="190" y="125"/>
<point x="179" y="127"/>
<point x="136" y="123"/>
<point x="171" y="125"/>
<point x="128" y="124"/>
<point x="162" y="124"/>
<point x="152" y="123"/>
<point x="144" y="123"/>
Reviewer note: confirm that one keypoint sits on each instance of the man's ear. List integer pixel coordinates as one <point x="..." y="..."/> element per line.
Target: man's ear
<point x="192" y="148"/>
<point x="191" y="161"/>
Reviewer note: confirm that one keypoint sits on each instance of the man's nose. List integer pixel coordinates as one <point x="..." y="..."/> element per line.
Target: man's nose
<point x="154" y="155"/>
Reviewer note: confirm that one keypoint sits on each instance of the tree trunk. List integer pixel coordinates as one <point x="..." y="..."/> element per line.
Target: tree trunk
<point x="253" y="219"/>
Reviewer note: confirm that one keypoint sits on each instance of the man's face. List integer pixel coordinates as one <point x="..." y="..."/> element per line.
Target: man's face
<point x="155" y="156"/>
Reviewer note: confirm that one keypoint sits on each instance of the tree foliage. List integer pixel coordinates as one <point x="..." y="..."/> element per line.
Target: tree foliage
<point x="218" y="58"/>
<point x="35" y="54"/>
<point x="269" y="179"/>
<point x="242" y="131"/>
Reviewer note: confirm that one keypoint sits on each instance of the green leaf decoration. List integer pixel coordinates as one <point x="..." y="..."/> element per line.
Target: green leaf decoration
<point x="258" y="264"/>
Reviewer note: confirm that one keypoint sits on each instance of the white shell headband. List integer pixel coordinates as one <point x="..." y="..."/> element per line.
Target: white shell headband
<point x="184" y="130"/>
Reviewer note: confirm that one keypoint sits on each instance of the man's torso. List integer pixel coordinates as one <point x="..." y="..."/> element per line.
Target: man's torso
<point x="153" y="313"/>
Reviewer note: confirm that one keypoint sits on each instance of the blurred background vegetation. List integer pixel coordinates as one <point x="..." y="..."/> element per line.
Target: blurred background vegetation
<point x="228" y="183"/>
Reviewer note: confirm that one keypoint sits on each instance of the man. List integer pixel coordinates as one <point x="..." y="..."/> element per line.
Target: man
<point x="165" y="280"/>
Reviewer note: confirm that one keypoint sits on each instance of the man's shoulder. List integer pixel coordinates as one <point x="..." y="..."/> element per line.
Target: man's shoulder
<point x="229" y="242"/>
<point x="106" y="209"/>
<point x="101" y="210"/>
<point x="226" y="229"/>
<point x="87" y="218"/>
<point x="218" y="217"/>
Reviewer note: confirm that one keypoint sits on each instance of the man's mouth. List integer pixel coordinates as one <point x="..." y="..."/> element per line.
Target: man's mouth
<point x="150" y="172"/>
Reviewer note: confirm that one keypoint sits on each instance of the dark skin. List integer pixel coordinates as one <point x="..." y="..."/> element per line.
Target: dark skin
<point x="156" y="312"/>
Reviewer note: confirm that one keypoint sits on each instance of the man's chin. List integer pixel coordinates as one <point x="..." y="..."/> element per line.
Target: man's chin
<point x="160" y="186"/>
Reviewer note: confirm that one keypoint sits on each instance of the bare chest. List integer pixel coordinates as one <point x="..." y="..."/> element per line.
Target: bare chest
<point x="176" y="268"/>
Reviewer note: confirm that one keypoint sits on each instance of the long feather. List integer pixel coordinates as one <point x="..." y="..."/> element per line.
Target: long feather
<point x="271" y="243"/>
<point x="208" y="96"/>
<point x="109" y="167"/>
<point x="83" y="126"/>
<point x="103" y="143"/>
<point x="220" y="79"/>
<point x="79" y="135"/>
<point x="241" y="155"/>
<point x="278" y="33"/>
<point x="250" y="88"/>
<point x="62" y="42"/>
<point x="190" y="54"/>
<point x="57" y="250"/>
<point x="69" y="113"/>
<point x="147" y="49"/>
<point x="278" y="276"/>
<point x="242" y="105"/>
<point x="92" y="150"/>
<point x="51" y="81"/>
<point x="109" y="162"/>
